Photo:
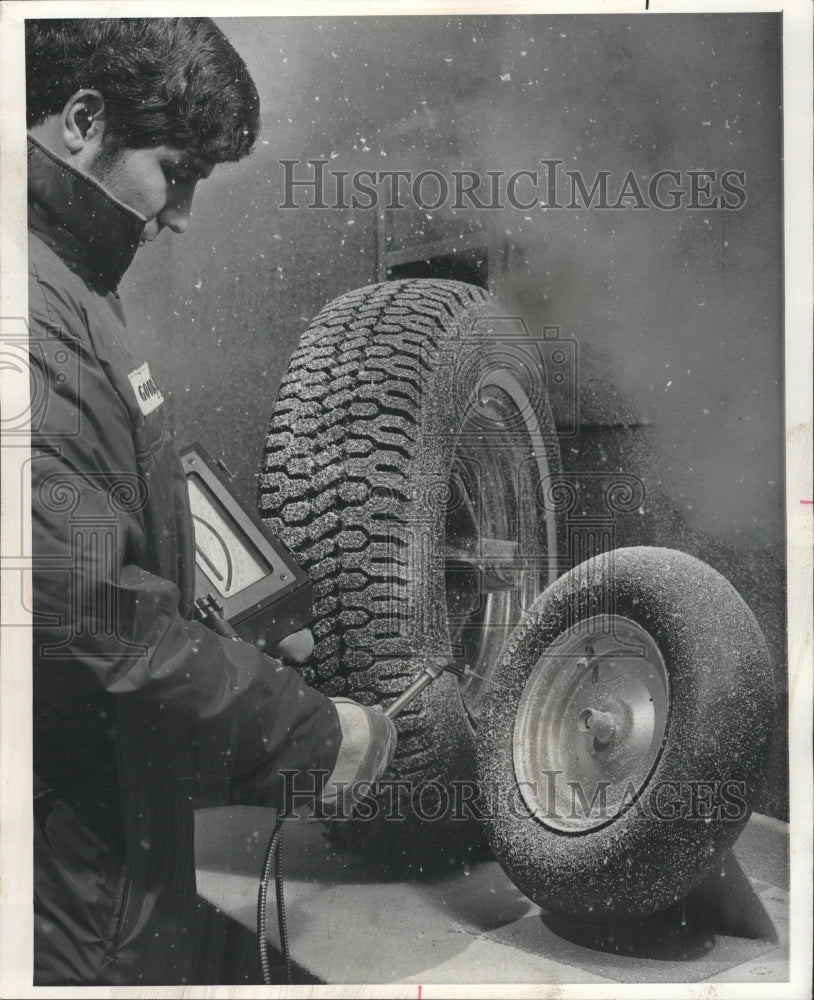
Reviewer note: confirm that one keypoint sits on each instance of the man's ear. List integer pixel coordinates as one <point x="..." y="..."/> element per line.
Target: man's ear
<point x="83" y="121"/>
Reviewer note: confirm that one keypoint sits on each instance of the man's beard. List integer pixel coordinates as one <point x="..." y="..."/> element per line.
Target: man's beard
<point x="105" y="163"/>
<point x="103" y="169"/>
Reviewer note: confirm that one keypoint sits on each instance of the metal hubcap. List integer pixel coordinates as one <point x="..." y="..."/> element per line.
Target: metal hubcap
<point x="590" y="723"/>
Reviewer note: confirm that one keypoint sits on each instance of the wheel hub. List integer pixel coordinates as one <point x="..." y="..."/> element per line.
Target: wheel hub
<point x="590" y="723"/>
<point x="600" y="727"/>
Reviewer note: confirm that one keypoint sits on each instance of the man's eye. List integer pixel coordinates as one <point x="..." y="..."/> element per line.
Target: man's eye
<point x="174" y="176"/>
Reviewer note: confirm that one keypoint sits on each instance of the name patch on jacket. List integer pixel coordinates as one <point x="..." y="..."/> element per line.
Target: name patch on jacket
<point x="148" y="395"/>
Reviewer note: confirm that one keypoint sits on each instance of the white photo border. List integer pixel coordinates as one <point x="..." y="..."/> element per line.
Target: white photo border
<point x="16" y="934"/>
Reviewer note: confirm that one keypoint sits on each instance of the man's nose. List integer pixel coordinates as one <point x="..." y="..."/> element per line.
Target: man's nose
<point x="176" y="215"/>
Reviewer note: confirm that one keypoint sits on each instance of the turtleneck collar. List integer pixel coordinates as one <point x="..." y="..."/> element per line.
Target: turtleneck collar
<point x="81" y="216"/>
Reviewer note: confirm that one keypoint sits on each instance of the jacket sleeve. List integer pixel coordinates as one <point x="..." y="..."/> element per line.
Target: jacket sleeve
<point x="101" y="621"/>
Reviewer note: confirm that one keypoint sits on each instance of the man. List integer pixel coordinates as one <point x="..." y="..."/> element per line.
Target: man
<point x="139" y="712"/>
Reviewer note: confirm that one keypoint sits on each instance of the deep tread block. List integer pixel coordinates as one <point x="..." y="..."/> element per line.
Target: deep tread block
<point x="345" y="457"/>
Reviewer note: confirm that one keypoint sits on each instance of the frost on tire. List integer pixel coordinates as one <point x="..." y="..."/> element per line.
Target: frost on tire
<point x="624" y="742"/>
<point x="403" y="465"/>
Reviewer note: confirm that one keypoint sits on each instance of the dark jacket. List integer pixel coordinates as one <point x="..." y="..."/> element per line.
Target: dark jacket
<point x="139" y="713"/>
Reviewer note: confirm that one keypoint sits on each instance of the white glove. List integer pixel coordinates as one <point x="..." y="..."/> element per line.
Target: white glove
<point x="367" y="748"/>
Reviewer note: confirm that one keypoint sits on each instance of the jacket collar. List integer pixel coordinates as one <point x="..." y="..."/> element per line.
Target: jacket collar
<point x="81" y="217"/>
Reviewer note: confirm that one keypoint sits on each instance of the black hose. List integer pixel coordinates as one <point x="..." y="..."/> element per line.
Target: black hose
<point x="282" y="923"/>
<point x="274" y="856"/>
<point x="210" y="614"/>
<point x="274" y="849"/>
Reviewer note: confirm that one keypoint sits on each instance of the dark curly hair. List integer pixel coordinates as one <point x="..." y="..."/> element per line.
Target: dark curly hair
<point x="165" y="81"/>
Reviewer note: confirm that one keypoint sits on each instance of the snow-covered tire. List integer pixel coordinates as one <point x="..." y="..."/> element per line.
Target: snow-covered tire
<point x="403" y="466"/>
<point x="644" y="671"/>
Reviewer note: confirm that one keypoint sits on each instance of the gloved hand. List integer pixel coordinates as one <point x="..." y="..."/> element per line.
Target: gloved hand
<point x="367" y="748"/>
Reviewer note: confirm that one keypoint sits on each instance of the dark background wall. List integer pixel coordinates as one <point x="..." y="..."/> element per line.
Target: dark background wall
<point x="678" y="315"/>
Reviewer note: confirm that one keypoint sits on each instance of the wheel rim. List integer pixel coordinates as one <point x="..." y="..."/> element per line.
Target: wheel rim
<point x="590" y="723"/>
<point x="500" y="545"/>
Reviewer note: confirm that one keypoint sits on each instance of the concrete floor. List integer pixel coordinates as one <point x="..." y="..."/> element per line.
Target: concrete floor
<point x="474" y="926"/>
